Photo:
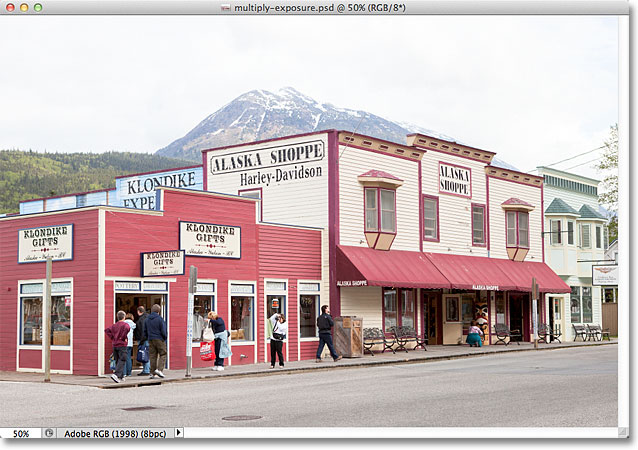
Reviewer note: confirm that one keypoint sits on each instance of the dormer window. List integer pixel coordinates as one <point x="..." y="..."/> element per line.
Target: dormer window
<point x="380" y="215"/>
<point x="517" y="228"/>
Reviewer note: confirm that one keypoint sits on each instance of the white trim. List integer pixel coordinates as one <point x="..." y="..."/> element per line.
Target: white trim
<point x="265" y="302"/>
<point x="254" y="296"/>
<point x="213" y="294"/>
<point x="101" y="286"/>
<point x="61" y="372"/>
<point x="317" y="312"/>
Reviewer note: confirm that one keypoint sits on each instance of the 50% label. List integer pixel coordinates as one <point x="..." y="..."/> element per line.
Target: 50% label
<point x="20" y="433"/>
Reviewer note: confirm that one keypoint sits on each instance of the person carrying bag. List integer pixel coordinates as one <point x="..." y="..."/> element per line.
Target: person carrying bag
<point x="206" y="347"/>
<point x="279" y="332"/>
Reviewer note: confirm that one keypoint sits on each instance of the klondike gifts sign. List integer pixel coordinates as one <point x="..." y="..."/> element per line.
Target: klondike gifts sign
<point x="170" y="262"/>
<point x="37" y="244"/>
<point x="210" y="240"/>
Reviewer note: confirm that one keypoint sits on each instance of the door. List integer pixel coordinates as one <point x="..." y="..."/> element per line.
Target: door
<point x="555" y="316"/>
<point x="431" y="318"/>
<point x="518" y="315"/>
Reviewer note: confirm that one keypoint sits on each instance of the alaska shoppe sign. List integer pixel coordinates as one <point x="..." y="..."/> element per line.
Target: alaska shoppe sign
<point x="37" y="244"/>
<point x="155" y="264"/>
<point x="455" y="180"/>
<point x="210" y="240"/>
<point x="271" y="165"/>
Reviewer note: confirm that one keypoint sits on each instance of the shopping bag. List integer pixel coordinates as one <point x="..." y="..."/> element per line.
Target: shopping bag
<point x="112" y="363"/>
<point x="206" y="351"/>
<point x="142" y="354"/>
<point x="209" y="335"/>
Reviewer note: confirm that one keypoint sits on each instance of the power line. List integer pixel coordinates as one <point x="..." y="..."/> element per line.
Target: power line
<point x="573" y="157"/>
<point x="582" y="164"/>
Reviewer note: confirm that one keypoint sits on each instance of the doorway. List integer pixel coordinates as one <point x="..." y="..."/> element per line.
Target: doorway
<point x="432" y="318"/>
<point x="555" y="316"/>
<point x="519" y="315"/>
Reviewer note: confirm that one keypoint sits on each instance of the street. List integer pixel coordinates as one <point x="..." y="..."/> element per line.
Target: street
<point x="566" y="387"/>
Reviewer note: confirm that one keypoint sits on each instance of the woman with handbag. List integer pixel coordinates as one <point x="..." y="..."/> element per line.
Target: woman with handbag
<point x="279" y="332"/>
<point x="222" y="349"/>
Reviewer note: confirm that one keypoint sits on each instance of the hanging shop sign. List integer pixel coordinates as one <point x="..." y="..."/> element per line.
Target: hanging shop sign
<point x="37" y="244"/>
<point x="455" y="180"/>
<point x="210" y="240"/>
<point x="153" y="264"/>
<point x="271" y="165"/>
<point x="604" y="275"/>
<point x="138" y="191"/>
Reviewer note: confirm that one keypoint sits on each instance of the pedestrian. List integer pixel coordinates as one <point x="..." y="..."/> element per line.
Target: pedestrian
<point x="118" y="333"/>
<point x="474" y="334"/>
<point x="325" y="324"/>
<point x="141" y="336"/>
<point x="156" y="332"/>
<point x="129" y="347"/>
<point x="279" y="332"/>
<point x="222" y="349"/>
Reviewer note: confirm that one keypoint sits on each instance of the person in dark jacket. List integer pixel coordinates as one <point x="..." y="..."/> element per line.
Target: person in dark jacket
<point x="218" y="325"/>
<point x="156" y="332"/>
<point x="325" y="324"/>
<point x="142" y="337"/>
<point x="118" y="333"/>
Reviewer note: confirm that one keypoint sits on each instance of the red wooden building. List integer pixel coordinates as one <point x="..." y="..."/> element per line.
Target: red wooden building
<point x="109" y="258"/>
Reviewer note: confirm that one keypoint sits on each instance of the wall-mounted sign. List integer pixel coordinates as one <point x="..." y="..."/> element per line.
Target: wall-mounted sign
<point x="271" y="165"/>
<point x="604" y="275"/>
<point x="210" y="240"/>
<point x="350" y="283"/>
<point x="128" y="286"/>
<point x="138" y="191"/>
<point x="67" y="301"/>
<point x="484" y="287"/>
<point x="36" y="244"/>
<point x="155" y="264"/>
<point x="455" y="180"/>
<point x="275" y="303"/>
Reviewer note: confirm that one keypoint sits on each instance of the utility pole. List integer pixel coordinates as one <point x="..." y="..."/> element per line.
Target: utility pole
<point x="192" y="288"/>
<point x="46" y="319"/>
<point x="535" y="311"/>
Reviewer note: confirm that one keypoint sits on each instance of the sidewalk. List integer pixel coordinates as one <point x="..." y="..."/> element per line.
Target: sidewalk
<point x="434" y="353"/>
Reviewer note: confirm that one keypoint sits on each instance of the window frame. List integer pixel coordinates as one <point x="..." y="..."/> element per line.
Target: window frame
<point x="399" y="307"/>
<point x="555" y="237"/>
<point x="272" y="292"/>
<point x="484" y="209"/>
<point x="253" y="296"/>
<point x="381" y="211"/>
<point x="517" y="229"/>
<point x="375" y="209"/>
<point x="583" y="234"/>
<point x="213" y="300"/>
<point x="570" y="234"/>
<point x="435" y="199"/>
<point x="598" y="235"/>
<point x="259" y="204"/>
<point x="317" y="293"/>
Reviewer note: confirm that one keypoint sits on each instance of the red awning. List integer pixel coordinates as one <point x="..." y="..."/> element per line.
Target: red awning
<point x="363" y="266"/>
<point x="472" y="272"/>
<point x="522" y="272"/>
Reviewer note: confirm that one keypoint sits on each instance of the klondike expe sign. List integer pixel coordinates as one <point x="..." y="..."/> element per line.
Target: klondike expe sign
<point x="37" y="244"/>
<point x="171" y="262"/>
<point x="271" y="165"/>
<point x="139" y="191"/>
<point x="210" y="240"/>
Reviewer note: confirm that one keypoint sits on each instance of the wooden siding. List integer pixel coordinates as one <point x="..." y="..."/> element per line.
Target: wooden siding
<point x="455" y="213"/>
<point x="500" y="191"/>
<point x="82" y="269"/>
<point x="354" y="162"/>
<point x="364" y="302"/>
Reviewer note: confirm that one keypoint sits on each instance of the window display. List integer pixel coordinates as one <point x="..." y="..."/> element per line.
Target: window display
<point x="308" y="313"/>
<point x="390" y="308"/>
<point x="241" y="318"/>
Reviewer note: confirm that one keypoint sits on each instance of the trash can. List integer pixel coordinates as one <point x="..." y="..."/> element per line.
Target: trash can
<point x="348" y="336"/>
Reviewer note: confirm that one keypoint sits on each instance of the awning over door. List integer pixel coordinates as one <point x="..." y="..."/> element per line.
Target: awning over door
<point x="363" y="266"/>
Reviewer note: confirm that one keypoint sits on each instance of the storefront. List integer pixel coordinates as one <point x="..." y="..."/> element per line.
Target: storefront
<point x="107" y="259"/>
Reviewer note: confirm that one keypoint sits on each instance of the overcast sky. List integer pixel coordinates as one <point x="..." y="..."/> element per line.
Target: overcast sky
<point x="534" y="89"/>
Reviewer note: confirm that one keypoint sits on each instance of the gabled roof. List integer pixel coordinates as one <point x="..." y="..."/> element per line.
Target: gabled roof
<point x="379" y="174"/>
<point x="516" y="201"/>
<point x="587" y="212"/>
<point x="558" y="206"/>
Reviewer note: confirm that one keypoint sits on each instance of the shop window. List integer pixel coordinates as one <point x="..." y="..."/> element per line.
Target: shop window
<point x="430" y="218"/>
<point x="575" y="304"/>
<point x="500" y="307"/>
<point x="599" y="236"/>
<point x="241" y="318"/>
<point x="203" y="303"/>
<point x="570" y="232"/>
<point x="32" y="306"/>
<point x="309" y="311"/>
<point x="407" y="308"/>
<point x="467" y="310"/>
<point x="380" y="210"/>
<point x="31" y="320"/>
<point x="518" y="229"/>
<point x="585" y="236"/>
<point x="557" y="309"/>
<point x="587" y="304"/>
<point x="478" y="225"/>
<point x="389" y="309"/>
<point x="556" y="238"/>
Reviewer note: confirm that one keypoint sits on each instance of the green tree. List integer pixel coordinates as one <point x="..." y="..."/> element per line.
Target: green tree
<point x="609" y="165"/>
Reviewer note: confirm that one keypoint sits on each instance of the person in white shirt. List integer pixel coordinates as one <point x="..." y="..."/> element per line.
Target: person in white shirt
<point x="129" y="348"/>
<point x="279" y="332"/>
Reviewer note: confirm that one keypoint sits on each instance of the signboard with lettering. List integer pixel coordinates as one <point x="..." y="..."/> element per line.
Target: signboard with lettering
<point x="455" y="180"/>
<point x="210" y="240"/>
<point x="138" y="191"/>
<point x="350" y="283"/>
<point x="271" y="165"/>
<point x="154" y="264"/>
<point x="604" y="275"/>
<point x="37" y="244"/>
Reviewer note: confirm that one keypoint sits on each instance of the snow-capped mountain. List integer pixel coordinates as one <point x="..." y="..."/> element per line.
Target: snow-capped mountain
<point x="259" y="114"/>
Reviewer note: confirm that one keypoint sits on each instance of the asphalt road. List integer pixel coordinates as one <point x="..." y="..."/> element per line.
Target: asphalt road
<point x="527" y="389"/>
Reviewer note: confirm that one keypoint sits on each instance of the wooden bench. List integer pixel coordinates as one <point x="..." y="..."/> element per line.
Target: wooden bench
<point x="503" y="332"/>
<point x="404" y="335"/>
<point x="545" y="332"/>
<point x="582" y="331"/>
<point x="376" y="336"/>
<point x="597" y="333"/>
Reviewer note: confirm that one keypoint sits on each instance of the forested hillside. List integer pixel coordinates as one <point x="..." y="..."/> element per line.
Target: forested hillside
<point x="27" y="175"/>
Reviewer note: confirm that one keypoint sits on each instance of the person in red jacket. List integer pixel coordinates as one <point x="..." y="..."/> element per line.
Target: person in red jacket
<point x="118" y="332"/>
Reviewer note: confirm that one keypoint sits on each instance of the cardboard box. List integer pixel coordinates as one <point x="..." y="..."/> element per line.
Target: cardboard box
<point x="61" y="337"/>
